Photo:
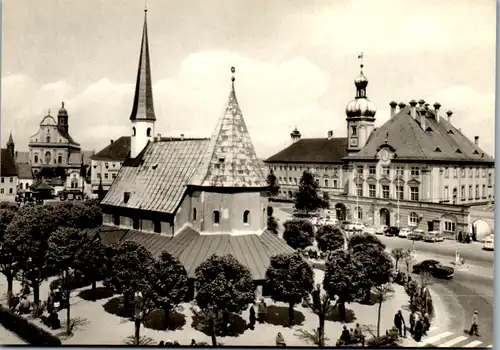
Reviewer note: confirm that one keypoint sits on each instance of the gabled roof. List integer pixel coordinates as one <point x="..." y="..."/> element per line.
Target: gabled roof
<point x="143" y="107"/>
<point x="22" y="157"/>
<point x="316" y="150"/>
<point x="410" y="142"/>
<point x="8" y="164"/>
<point x="230" y="159"/>
<point x="157" y="178"/>
<point x="24" y="171"/>
<point x="41" y="186"/>
<point x="117" y="151"/>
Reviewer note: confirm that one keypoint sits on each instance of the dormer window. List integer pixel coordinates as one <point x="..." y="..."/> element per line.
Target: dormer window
<point x="450" y="132"/>
<point x="458" y="150"/>
<point x="216" y="217"/>
<point x="437" y="149"/>
<point x="429" y="129"/>
<point x="126" y="196"/>
<point x="221" y="160"/>
<point x="476" y="152"/>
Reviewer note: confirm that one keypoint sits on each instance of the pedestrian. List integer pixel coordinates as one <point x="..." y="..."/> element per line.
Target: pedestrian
<point x="475" y="324"/>
<point x="161" y="344"/>
<point x="413" y="318"/>
<point x="280" y="341"/>
<point x="345" y="336"/>
<point x="399" y="322"/>
<point x="418" y="330"/>
<point x="262" y="309"/>
<point x="193" y="342"/>
<point x="252" y="318"/>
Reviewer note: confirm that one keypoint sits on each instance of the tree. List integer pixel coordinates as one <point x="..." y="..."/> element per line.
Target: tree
<point x="307" y="198"/>
<point x="408" y="260"/>
<point x="320" y="303"/>
<point x="344" y="278"/>
<point x="382" y="293"/>
<point x="289" y="279"/>
<point x="360" y="240"/>
<point x="272" y="181"/>
<point x="298" y="233"/>
<point x="169" y="283"/>
<point x="329" y="238"/>
<point x="91" y="262"/>
<point x="272" y="225"/>
<point x="7" y="213"/>
<point x="80" y="215"/>
<point x="128" y="270"/>
<point x="398" y="254"/>
<point x="64" y="245"/>
<point x="223" y="285"/>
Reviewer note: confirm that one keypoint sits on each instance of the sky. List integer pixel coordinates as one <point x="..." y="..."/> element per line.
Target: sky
<point x="295" y="64"/>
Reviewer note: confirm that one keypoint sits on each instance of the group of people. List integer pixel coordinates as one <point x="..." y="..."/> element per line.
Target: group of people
<point x="419" y="325"/>
<point x="261" y="314"/>
<point x="352" y="336"/>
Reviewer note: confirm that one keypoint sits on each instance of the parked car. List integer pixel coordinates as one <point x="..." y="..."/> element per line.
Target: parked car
<point x="404" y="232"/>
<point x="435" y="268"/>
<point x="416" y="235"/>
<point x="433" y="236"/>
<point x="381" y="229"/>
<point x="370" y="230"/>
<point x="489" y="243"/>
<point x="357" y="226"/>
<point x="347" y="226"/>
<point x="392" y="231"/>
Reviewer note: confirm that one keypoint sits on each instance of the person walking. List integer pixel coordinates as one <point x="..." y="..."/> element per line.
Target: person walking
<point x="418" y="330"/>
<point x="413" y="319"/>
<point x="475" y="324"/>
<point x="399" y="322"/>
<point x="251" y="318"/>
<point x="262" y="310"/>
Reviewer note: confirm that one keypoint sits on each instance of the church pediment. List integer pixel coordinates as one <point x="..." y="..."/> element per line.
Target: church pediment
<point x="385" y="181"/>
<point x="371" y="179"/>
<point x="413" y="182"/>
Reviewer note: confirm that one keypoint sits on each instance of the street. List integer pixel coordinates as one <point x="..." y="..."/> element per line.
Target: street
<point x="9" y="338"/>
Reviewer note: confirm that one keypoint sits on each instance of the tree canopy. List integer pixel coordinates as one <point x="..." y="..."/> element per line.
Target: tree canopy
<point x="274" y="186"/>
<point x="64" y="246"/>
<point x="307" y="198"/>
<point x="329" y="238"/>
<point x="298" y="233"/>
<point x="361" y="240"/>
<point x="224" y="284"/>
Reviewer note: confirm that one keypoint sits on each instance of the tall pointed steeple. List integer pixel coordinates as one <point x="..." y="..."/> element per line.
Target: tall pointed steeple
<point x="10" y="145"/>
<point x="230" y="159"/>
<point x="11" y="140"/>
<point x="143" y="98"/>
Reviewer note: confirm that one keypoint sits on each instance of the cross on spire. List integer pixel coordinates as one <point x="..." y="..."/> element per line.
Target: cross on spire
<point x="360" y="57"/>
<point x="49" y="111"/>
<point x="145" y="5"/>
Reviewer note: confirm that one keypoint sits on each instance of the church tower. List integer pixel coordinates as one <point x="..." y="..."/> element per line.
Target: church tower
<point x="62" y="120"/>
<point x="143" y="114"/>
<point x="360" y="115"/>
<point x="11" y="145"/>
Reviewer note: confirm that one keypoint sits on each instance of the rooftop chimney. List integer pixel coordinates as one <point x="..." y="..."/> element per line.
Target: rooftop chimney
<point x="421" y="103"/>
<point x="330" y="134"/>
<point x="401" y="106"/>
<point x="449" y="114"/>
<point x="393" y="105"/>
<point x="111" y="142"/>
<point x="182" y="136"/>
<point x="476" y="140"/>
<point x="437" y="105"/>
<point x="413" y="109"/>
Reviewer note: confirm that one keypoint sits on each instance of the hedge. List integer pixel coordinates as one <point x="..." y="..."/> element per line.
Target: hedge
<point x="26" y="330"/>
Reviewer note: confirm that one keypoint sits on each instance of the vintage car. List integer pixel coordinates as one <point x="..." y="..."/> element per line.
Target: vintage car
<point x="416" y="235"/>
<point x="489" y="243"/>
<point x="433" y="236"/>
<point x="435" y="268"/>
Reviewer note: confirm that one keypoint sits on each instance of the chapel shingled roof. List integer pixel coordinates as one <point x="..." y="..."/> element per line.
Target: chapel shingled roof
<point x="440" y="141"/>
<point x="156" y="180"/>
<point x="7" y="163"/>
<point x="314" y="150"/>
<point x="116" y="151"/>
<point x="230" y="159"/>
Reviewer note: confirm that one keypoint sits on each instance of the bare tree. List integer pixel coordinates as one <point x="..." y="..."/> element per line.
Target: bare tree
<point x="382" y="293"/>
<point x="398" y="254"/>
<point x="322" y="305"/>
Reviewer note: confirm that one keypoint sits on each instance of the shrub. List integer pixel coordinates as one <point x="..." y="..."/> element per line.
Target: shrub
<point x="26" y="330"/>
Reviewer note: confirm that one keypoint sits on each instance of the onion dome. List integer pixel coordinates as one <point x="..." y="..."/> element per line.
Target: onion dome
<point x="295" y="133"/>
<point x="360" y="107"/>
<point x="361" y="81"/>
<point x="62" y="111"/>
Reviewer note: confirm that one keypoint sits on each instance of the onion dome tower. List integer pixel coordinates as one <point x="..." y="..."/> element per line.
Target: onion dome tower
<point x="360" y="114"/>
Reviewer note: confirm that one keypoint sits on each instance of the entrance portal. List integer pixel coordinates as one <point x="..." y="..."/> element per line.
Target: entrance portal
<point x="340" y="211"/>
<point x="385" y="217"/>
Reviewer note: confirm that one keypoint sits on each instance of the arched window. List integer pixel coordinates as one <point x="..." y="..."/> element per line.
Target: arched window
<point x="133" y="131"/>
<point x="59" y="159"/>
<point x="246" y="217"/>
<point x="20" y="185"/>
<point x="116" y="220"/>
<point x="194" y="214"/>
<point x="74" y="182"/>
<point x="47" y="157"/>
<point x="413" y="219"/>
<point x="148" y="132"/>
<point x="36" y="158"/>
<point x="48" y="138"/>
<point x="359" y="213"/>
<point x="216" y="217"/>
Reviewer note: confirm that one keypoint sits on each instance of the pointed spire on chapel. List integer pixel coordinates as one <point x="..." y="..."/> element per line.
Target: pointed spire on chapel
<point x="230" y="159"/>
<point x="143" y="97"/>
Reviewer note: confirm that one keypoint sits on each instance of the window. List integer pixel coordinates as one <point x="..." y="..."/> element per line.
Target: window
<point x="133" y="131"/>
<point x="446" y="193"/>
<point x="295" y="168"/>
<point x="290" y="168"/>
<point x="446" y="173"/>
<point x="462" y="172"/>
<point x="455" y="172"/>
<point x="413" y="219"/>
<point x="326" y="182"/>
<point x="113" y="176"/>
<point x="470" y="191"/>
<point x="354" y="131"/>
<point x="484" y="172"/>
<point x="48" y="138"/>
<point x="477" y="172"/>
<point x="36" y="158"/>
<point x="290" y="180"/>
<point x="326" y="168"/>
<point x="449" y="226"/>
<point x="21" y="186"/>
<point x="59" y="159"/>
<point x="414" y="193"/>
<point x="194" y="214"/>
<point x="1" y="190"/>
<point x="385" y="191"/>
<point x="359" y="190"/>
<point x="295" y="180"/>
<point x="462" y="192"/>
<point x="484" y="191"/>
<point x="489" y="179"/>
<point x="216" y="217"/>
<point x="477" y="191"/>
<point x="359" y="211"/>
<point x="47" y="157"/>
<point x="399" y="192"/>
<point x="3" y="180"/>
<point x="11" y="180"/>
<point x="470" y="173"/>
<point x="105" y="175"/>
<point x="415" y="171"/>
<point x="372" y="191"/>
<point x="335" y="183"/>
<point x="157" y="226"/>
<point x="116" y="220"/>
<point x="372" y="170"/>
<point x="400" y="171"/>
<point x="135" y="224"/>
<point x="10" y="190"/>
<point x="246" y="217"/>
<point x="359" y="169"/>
<point x="98" y="175"/>
<point x="385" y="170"/>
